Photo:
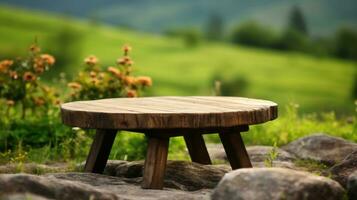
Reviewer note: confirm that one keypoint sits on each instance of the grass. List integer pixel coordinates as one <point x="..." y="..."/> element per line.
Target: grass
<point x="317" y="84"/>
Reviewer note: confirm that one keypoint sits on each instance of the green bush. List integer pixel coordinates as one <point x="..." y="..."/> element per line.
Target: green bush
<point x="346" y="43"/>
<point x="253" y="34"/>
<point x="293" y="40"/>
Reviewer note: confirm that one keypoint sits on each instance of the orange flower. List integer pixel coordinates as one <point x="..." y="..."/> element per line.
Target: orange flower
<point x="92" y="74"/>
<point x="13" y="75"/>
<point x="29" y="76"/>
<point x="57" y="102"/>
<point x="10" y="102"/>
<point x="129" y="80"/>
<point x="131" y="93"/>
<point x="126" y="49"/>
<point x="5" y="64"/>
<point x="74" y="85"/>
<point x="50" y="60"/>
<point x="126" y="60"/>
<point x="143" y="80"/>
<point x="91" y="60"/>
<point x="34" y="48"/>
<point x="116" y="72"/>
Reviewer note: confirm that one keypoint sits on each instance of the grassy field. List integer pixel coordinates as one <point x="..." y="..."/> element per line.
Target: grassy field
<point x="314" y="83"/>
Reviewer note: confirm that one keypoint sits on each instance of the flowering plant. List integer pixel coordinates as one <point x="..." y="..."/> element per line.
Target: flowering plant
<point x="19" y="81"/>
<point x="116" y="81"/>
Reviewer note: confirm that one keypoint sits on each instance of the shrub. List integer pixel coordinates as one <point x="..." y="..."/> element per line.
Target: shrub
<point x="191" y="37"/>
<point x="116" y="81"/>
<point x="230" y="86"/>
<point x="293" y="40"/>
<point x="346" y="43"/>
<point x="20" y="83"/>
<point x="253" y="34"/>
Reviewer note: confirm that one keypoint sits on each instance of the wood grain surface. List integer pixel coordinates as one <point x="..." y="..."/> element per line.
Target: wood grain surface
<point x="168" y="112"/>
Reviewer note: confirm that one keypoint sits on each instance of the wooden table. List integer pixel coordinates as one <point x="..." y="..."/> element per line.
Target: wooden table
<point x="163" y="117"/>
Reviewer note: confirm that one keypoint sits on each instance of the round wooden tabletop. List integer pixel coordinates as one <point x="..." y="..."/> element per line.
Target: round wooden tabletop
<point x="168" y="112"/>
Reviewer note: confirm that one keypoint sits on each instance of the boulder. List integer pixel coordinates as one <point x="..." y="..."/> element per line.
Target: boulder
<point x="257" y="155"/>
<point x="322" y="148"/>
<point x="181" y="175"/>
<point x="341" y="171"/>
<point x="352" y="185"/>
<point x="276" y="183"/>
<point x="85" y="186"/>
<point x="33" y="168"/>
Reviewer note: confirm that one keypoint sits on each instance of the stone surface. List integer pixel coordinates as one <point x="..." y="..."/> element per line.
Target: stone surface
<point x="352" y="185"/>
<point x="276" y="183"/>
<point x="257" y="155"/>
<point x="33" y="168"/>
<point x="341" y="171"/>
<point x="322" y="148"/>
<point x="181" y="175"/>
<point x="86" y="186"/>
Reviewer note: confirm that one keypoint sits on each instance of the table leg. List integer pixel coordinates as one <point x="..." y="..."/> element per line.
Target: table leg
<point x="235" y="149"/>
<point x="155" y="163"/>
<point x="197" y="149"/>
<point x="99" y="152"/>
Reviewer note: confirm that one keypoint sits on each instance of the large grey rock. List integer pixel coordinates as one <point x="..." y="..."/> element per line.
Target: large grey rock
<point x="276" y="183"/>
<point x="86" y="186"/>
<point x="341" y="171"/>
<point x="322" y="148"/>
<point x="257" y="155"/>
<point x="352" y="185"/>
<point x="181" y="175"/>
<point x="50" y="187"/>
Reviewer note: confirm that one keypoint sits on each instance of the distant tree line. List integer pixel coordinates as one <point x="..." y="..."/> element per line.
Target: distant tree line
<point x="296" y="37"/>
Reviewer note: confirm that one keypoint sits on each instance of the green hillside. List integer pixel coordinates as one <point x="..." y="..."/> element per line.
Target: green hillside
<point x="314" y="83"/>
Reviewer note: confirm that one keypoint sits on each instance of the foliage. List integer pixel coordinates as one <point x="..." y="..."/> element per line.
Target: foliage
<point x="346" y="43"/>
<point x="19" y="83"/>
<point x="236" y="85"/>
<point x="253" y="34"/>
<point x="293" y="40"/>
<point x="117" y="81"/>
<point x="297" y="21"/>
<point x="191" y="37"/>
<point x="272" y="155"/>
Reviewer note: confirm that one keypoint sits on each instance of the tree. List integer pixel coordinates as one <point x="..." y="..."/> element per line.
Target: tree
<point x="297" y="21"/>
<point x="253" y="34"/>
<point x="346" y="43"/>
<point x="215" y="27"/>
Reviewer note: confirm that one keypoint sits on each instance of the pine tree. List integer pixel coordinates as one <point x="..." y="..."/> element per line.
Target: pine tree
<point x="297" y="20"/>
<point x="215" y="27"/>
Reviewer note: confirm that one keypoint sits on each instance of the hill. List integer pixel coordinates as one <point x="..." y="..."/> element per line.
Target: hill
<point x="323" y="16"/>
<point x="314" y="83"/>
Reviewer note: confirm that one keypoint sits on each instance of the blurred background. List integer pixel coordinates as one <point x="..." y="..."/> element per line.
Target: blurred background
<point x="283" y="50"/>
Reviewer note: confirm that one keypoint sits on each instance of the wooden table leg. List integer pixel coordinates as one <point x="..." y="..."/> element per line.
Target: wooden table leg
<point x="197" y="149"/>
<point x="155" y="163"/>
<point x="100" y="150"/>
<point x="235" y="150"/>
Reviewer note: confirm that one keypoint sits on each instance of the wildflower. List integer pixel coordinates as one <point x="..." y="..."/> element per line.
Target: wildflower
<point x="13" y="75"/>
<point x="34" y="48"/>
<point x="126" y="60"/>
<point x="29" y="76"/>
<point x="131" y="93"/>
<point x="95" y="81"/>
<point x="143" y="80"/>
<point x="74" y="85"/>
<point x="91" y="60"/>
<point x="92" y="74"/>
<point x="129" y="80"/>
<point x="48" y="59"/>
<point x="116" y="72"/>
<point x="5" y="64"/>
<point x="126" y="49"/>
<point x="10" y="102"/>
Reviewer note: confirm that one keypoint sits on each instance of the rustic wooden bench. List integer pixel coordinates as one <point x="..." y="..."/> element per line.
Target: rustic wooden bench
<point x="163" y="117"/>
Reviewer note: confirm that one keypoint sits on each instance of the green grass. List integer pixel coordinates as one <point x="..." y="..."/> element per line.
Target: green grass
<point x="315" y="83"/>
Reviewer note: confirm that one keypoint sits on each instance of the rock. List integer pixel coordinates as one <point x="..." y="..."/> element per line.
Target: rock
<point x="322" y="148"/>
<point x="352" y="185"/>
<point x="49" y="187"/>
<point x="33" y="168"/>
<point x="182" y="175"/>
<point x="22" y="196"/>
<point x="341" y="171"/>
<point x="84" y="186"/>
<point x="257" y="155"/>
<point x="276" y="183"/>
